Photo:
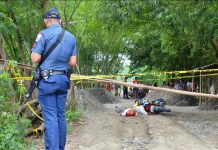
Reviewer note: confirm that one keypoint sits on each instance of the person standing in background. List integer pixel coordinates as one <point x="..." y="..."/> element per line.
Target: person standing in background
<point x="135" y="89"/>
<point x="108" y="87"/>
<point x="116" y="88"/>
<point x="125" y="90"/>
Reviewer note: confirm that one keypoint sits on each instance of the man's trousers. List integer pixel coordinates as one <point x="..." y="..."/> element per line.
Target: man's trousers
<point x="52" y="99"/>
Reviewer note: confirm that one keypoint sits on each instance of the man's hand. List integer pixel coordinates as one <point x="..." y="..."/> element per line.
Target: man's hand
<point x="72" y="61"/>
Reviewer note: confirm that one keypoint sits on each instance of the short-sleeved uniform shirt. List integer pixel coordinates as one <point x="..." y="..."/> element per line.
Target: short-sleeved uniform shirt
<point x="60" y="56"/>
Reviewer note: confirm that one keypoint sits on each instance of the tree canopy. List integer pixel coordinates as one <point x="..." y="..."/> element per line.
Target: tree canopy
<point x="153" y="35"/>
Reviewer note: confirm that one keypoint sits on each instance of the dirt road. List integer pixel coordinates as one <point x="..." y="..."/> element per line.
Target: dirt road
<point x="106" y="130"/>
<point x="101" y="128"/>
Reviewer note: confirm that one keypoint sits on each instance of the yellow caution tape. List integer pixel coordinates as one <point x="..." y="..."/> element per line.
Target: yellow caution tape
<point x="83" y="77"/>
<point x="80" y="77"/>
<point x="33" y="111"/>
<point x="184" y="77"/>
<point x="35" y="130"/>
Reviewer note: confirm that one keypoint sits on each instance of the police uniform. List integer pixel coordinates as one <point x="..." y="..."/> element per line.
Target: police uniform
<point x="53" y="90"/>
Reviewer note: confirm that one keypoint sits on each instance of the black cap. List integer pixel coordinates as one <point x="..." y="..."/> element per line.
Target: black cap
<point x="53" y="13"/>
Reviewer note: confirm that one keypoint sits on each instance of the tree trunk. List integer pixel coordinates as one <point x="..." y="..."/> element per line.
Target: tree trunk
<point x="215" y="47"/>
<point x="2" y="52"/>
<point x="44" y="4"/>
<point x="19" y="37"/>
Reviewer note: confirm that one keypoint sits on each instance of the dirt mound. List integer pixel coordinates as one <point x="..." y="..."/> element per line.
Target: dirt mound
<point x="102" y="96"/>
<point x="173" y="99"/>
<point x="93" y="99"/>
<point x="211" y="104"/>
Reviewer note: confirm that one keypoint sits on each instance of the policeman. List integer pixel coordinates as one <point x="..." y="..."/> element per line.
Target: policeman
<point x="53" y="88"/>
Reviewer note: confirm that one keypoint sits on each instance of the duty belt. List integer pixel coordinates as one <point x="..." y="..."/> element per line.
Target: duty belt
<point x="46" y="73"/>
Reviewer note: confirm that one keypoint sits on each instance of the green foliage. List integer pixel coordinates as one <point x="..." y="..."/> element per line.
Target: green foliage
<point x="73" y="115"/>
<point x="169" y="35"/>
<point x="11" y="133"/>
<point x="6" y="93"/>
<point x="161" y="35"/>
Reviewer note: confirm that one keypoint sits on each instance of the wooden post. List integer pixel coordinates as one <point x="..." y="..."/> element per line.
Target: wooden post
<point x="200" y="86"/>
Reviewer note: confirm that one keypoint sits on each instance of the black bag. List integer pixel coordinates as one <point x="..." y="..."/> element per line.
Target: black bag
<point x="69" y="72"/>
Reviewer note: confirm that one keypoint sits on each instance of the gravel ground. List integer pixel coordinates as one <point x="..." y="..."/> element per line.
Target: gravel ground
<point x="101" y="128"/>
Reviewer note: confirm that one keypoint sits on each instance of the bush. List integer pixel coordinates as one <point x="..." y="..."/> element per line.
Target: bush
<point x="11" y="129"/>
<point x="73" y="115"/>
<point x="11" y="133"/>
<point x="6" y="93"/>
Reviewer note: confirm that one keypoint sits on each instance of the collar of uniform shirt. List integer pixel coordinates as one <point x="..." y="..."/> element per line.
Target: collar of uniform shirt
<point x="55" y="25"/>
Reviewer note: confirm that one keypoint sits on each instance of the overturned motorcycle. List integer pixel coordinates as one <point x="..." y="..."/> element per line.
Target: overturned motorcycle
<point x="154" y="106"/>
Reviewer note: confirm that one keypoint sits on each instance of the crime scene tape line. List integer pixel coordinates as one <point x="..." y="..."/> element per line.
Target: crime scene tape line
<point x="33" y="111"/>
<point x="96" y="78"/>
<point x="154" y="73"/>
<point x="171" y="72"/>
<point x="180" y="77"/>
<point x="184" y="77"/>
<point x="83" y="77"/>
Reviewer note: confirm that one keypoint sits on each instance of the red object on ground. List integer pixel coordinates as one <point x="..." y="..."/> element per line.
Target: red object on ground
<point x="147" y="108"/>
<point x="130" y="112"/>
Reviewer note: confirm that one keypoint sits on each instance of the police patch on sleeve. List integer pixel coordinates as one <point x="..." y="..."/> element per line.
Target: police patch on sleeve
<point x="34" y="45"/>
<point x="38" y="37"/>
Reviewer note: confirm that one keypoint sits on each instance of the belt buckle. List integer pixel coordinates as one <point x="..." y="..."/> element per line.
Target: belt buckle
<point x="45" y="74"/>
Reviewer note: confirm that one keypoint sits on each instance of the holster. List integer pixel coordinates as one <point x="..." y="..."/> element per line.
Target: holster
<point x="69" y="72"/>
<point x="34" y="81"/>
<point x="37" y="74"/>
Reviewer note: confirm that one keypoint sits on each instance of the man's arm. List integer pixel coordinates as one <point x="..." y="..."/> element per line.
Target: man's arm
<point x="72" y="61"/>
<point x="36" y="58"/>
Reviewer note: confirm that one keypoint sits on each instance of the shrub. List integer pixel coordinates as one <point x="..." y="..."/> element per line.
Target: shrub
<point x="73" y="115"/>
<point x="11" y="129"/>
<point x="11" y="133"/>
